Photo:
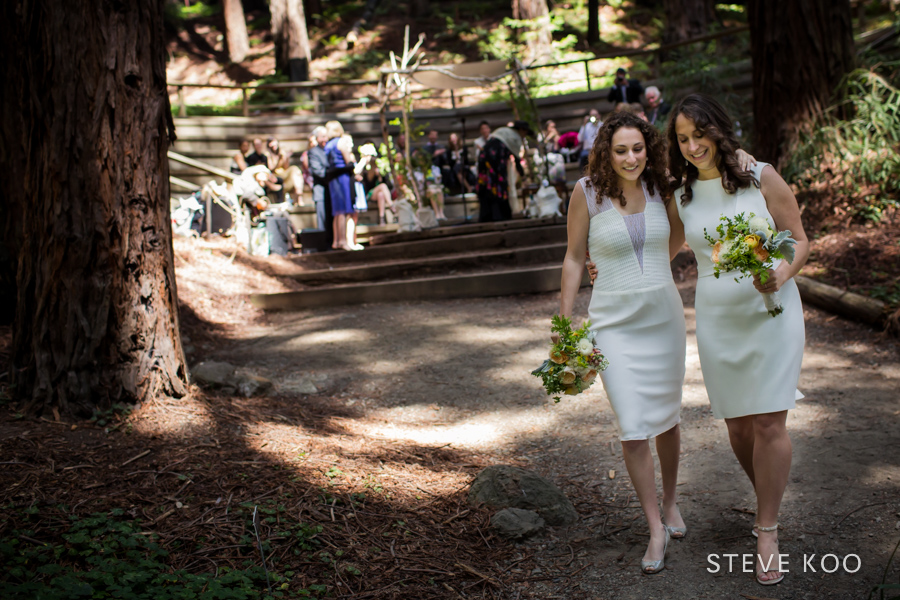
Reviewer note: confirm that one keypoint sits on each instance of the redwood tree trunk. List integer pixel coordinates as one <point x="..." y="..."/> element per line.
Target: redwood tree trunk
<point x="538" y="47"/>
<point x="292" y="54"/>
<point x="236" y="31"/>
<point x="686" y="19"/>
<point x="85" y="129"/>
<point x="800" y="51"/>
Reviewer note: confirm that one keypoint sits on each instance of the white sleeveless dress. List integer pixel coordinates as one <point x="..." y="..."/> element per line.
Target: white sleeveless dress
<point x="637" y="313"/>
<point x="750" y="360"/>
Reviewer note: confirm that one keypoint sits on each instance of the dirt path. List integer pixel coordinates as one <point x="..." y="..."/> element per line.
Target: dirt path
<point x="455" y="374"/>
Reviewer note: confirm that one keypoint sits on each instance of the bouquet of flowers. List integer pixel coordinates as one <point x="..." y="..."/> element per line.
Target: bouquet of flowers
<point x="574" y="360"/>
<point x="749" y="246"/>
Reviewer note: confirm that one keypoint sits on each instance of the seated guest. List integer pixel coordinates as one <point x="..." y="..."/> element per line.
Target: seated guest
<point x="658" y="108"/>
<point x="451" y="164"/>
<point x="432" y="146"/>
<point x="239" y="160"/>
<point x="259" y="156"/>
<point x="374" y="183"/>
<point x="279" y="161"/>
<point x="551" y="137"/>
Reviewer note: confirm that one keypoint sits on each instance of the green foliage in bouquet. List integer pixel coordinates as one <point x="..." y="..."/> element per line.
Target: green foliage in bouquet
<point x="748" y="245"/>
<point x="574" y="360"/>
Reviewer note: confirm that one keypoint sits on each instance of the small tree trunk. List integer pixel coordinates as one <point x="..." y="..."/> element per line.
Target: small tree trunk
<point x="87" y="126"/>
<point x="292" y="52"/>
<point x="236" y="31"/>
<point x="538" y="47"/>
<point x="801" y="50"/>
<point x="593" y="30"/>
<point x="686" y="19"/>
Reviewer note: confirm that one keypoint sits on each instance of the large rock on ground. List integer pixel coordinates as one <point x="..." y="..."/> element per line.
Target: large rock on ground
<point x="517" y="523"/>
<point x="223" y="376"/>
<point x="504" y="486"/>
<point x="213" y="374"/>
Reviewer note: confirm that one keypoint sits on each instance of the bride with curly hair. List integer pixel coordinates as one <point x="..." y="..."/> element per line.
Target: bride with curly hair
<point x="620" y="213"/>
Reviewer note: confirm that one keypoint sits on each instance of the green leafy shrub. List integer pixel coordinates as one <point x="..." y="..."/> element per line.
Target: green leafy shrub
<point x="850" y="152"/>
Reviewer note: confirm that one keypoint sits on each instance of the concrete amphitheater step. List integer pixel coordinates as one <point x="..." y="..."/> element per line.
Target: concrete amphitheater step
<point x="434" y="266"/>
<point x="473" y="242"/>
<point x="524" y="280"/>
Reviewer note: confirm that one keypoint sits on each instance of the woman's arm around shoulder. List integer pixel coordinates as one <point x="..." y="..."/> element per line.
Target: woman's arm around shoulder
<point x="785" y="211"/>
<point x="577" y="227"/>
<point x="676" y="228"/>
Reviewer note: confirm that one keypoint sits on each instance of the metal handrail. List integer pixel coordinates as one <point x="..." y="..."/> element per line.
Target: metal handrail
<point x="315" y="86"/>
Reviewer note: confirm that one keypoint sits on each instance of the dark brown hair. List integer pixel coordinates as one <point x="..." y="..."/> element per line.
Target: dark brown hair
<point x="711" y="120"/>
<point x="600" y="173"/>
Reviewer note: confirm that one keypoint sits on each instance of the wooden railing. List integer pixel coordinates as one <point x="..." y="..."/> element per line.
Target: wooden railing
<point x="319" y="103"/>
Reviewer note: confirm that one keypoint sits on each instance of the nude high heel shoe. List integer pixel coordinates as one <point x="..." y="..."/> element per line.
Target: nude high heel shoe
<point x="651" y="567"/>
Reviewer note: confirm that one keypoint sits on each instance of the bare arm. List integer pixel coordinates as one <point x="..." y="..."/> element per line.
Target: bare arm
<point x="676" y="229"/>
<point x="577" y="227"/>
<point x="783" y="207"/>
<point x="239" y="161"/>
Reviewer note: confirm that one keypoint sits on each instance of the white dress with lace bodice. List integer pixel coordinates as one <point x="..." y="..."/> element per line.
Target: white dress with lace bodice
<point x="638" y="315"/>
<point x="750" y="360"/>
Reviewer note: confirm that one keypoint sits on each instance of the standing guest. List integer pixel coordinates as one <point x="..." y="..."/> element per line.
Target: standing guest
<point x="239" y="160"/>
<point x="340" y="186"/>
<point x="750" y="361"/>
<point x="587" y="134"/>
<point x="484" y="132"/>
<point x="318" y="169"/>
<point x="624" y="89"/>
<point x="279" y="161"/>
<point x="259" y="156"/>
<point x="619" y="213"/>
<point x="658" y="108"/>
<point x="503" y="146"/>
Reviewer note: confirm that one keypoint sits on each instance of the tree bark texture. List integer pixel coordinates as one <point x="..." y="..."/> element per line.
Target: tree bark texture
<point x="292" y="53"/>
<point x="539" y="44"/>
<point x="686" y="19"/>
<point x="236" y="31"/>
<point x="86" y="129"/>
<point x="419" y="8"/>
<point x="801" y="50"/>
<point x="593" y="30"/>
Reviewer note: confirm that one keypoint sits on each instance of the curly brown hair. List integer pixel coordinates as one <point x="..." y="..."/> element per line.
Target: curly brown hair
<point x="712" y="120"/>
<point x="600" y="171"/>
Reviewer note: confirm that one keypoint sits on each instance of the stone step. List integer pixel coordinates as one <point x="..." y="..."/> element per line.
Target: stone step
<point x="474" y="242"/>
<point x="525" y="280"/>
<point x="436" y="265"/>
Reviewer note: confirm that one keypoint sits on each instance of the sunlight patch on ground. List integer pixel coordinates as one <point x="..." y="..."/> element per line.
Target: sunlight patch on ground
<point x="467" y="333"/>
<point x="332" y="336"/>
<point x="185" y="417"/>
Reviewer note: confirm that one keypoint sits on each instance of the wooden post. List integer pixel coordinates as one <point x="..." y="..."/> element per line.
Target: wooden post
<point x="452" y="100"/>
<point x="317" y="108"/>
<point x="208" y="213"/>
<point x="587" y="75"/>
<point x="182" y="107"/>
<point x="244" y="108"/>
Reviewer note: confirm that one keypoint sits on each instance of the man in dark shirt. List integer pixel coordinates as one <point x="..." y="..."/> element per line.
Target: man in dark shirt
<point x="259" y="156"/>
<point x="432" y="146"/>
<point x="624" y="89"/>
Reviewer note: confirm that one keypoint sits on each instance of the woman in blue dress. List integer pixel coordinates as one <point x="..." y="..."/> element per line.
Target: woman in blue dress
<point x="340" y="187"/>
